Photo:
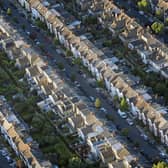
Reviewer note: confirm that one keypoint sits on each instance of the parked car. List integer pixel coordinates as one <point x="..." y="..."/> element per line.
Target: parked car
<point x="130" y="121"/>
<point x="122" y="114"/>
<point x="145" y="137"/>
<point x="141" y="12"/>
<point x="28" y="32"/>
<point x="103" y="110"/>
<point x="162" y="155"/>
<point x="80" y="72"/>
<point x="151" y="142"/>
<point x="77" y="83"/>
<point x="37" y="43"/>
<point x="4" y="152"/>
<point x="9" y="159"/>
<point x="92" y="84"/>
<point x="92" y="98"/>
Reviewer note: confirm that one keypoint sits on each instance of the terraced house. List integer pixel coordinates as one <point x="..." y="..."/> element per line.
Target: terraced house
<point x="151" y="50"/>
<point x="15" y="133"/>
<point x="63" y="101"/>
<point x="156" y="123"/>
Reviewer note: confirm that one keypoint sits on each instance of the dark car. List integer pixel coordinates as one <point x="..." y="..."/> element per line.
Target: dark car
<point x="80" y="72"/>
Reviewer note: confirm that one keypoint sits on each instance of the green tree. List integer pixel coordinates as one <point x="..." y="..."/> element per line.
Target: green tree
<point x="160" y="88"/>
<point x="41" y="24"/>
<point x="97" y="103"/>
<point x="73" y="77"/>
<point x="166" y="22"/>
<point x="160" y="165"/>
<point x="116" y="99"/>
<point x="1" y="4"/>
<point x="68" y="53"/>
<point x="9" y="11"/>
<point x="90" y="20"/>
<point x="157" y="27"/>
<point x="61" y="66"/>
<point x="56" y="41"/>
<point x="38" y="121"/>
<point x="159" y="14"/>
<point x="109" y="117"/>
<point x="23" y="27"/>
<point x="125" y="131"/>
<point x="100" y="83"/>
<point x="124" y="105"/>
<point x="74" y="162"/>
<point x="143" y="5"/>
<point x="107" y="43"/>
<point x="77" y="61"/>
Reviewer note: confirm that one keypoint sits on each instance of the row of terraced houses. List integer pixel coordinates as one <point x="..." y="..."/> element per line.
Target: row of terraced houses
<point x="58" y="97"/>
<point x="94" y="61"/>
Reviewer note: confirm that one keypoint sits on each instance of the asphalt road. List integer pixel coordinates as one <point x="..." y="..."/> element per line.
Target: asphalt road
<point x="3" y="162"/>
<point x="134" y="133"/>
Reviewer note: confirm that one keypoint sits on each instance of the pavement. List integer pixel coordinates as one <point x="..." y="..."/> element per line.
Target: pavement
<point x="134" y="134"/>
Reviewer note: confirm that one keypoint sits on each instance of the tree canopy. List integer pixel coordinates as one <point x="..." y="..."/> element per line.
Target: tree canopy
<point x="9" y="12"/>
<point x="143" y="5"/>
<point x="160" y="165"/>
<point x="157" y="27"/>
<point x="97" y="103"/>
<point x="123" y="105"/>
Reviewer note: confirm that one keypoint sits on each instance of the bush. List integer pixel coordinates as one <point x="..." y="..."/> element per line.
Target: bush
<point x="159" y="14"/>
<point x="56" y="41"/>
<point x="41" y="24"/>
<point x="160" y="165"/>
<point x="125" y="131"/>
<point x="107" y="43"/>
<point x="38" y="121"/>
<point x="77" y="61"/>
<point x="110" y="117"/>
<point x="124" y="105"/>
<point x="73" y="77"/>
<point x="61" y="66"/>
<point x="97" y="103"/>
<point x="91" y="20"/>
<point x="157" y="27"/>
<point x="68" y="53"/>
<point x="74" y="162"/>
<point x="100" y="83"/>
<point x="9" y="11"/>
<point x="143" y="5"/>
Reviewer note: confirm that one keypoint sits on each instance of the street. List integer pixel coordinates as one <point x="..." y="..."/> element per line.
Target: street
<point x="3" y="162"/>
<point x="150" y="151"/>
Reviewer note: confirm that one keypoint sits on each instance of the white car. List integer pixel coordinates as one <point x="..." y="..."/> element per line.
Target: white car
<point x="122" y="114"/>
<point x="33" y="26"/>
<point x="145" y="137"/>
<point x="28" y="33"/>
<point x="37" y="43"/>
<point x="141" y="12"/>
<point x="92" y="98"/>
<point x="4" y="153"/>
<point x="130" y="121"/>
<point x="103" y="110"/>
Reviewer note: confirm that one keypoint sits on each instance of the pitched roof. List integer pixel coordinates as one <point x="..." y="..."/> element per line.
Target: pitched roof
<point x="107" y="153"/>
<point x="78" y="121"/>
<point x="34" y="70"/>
